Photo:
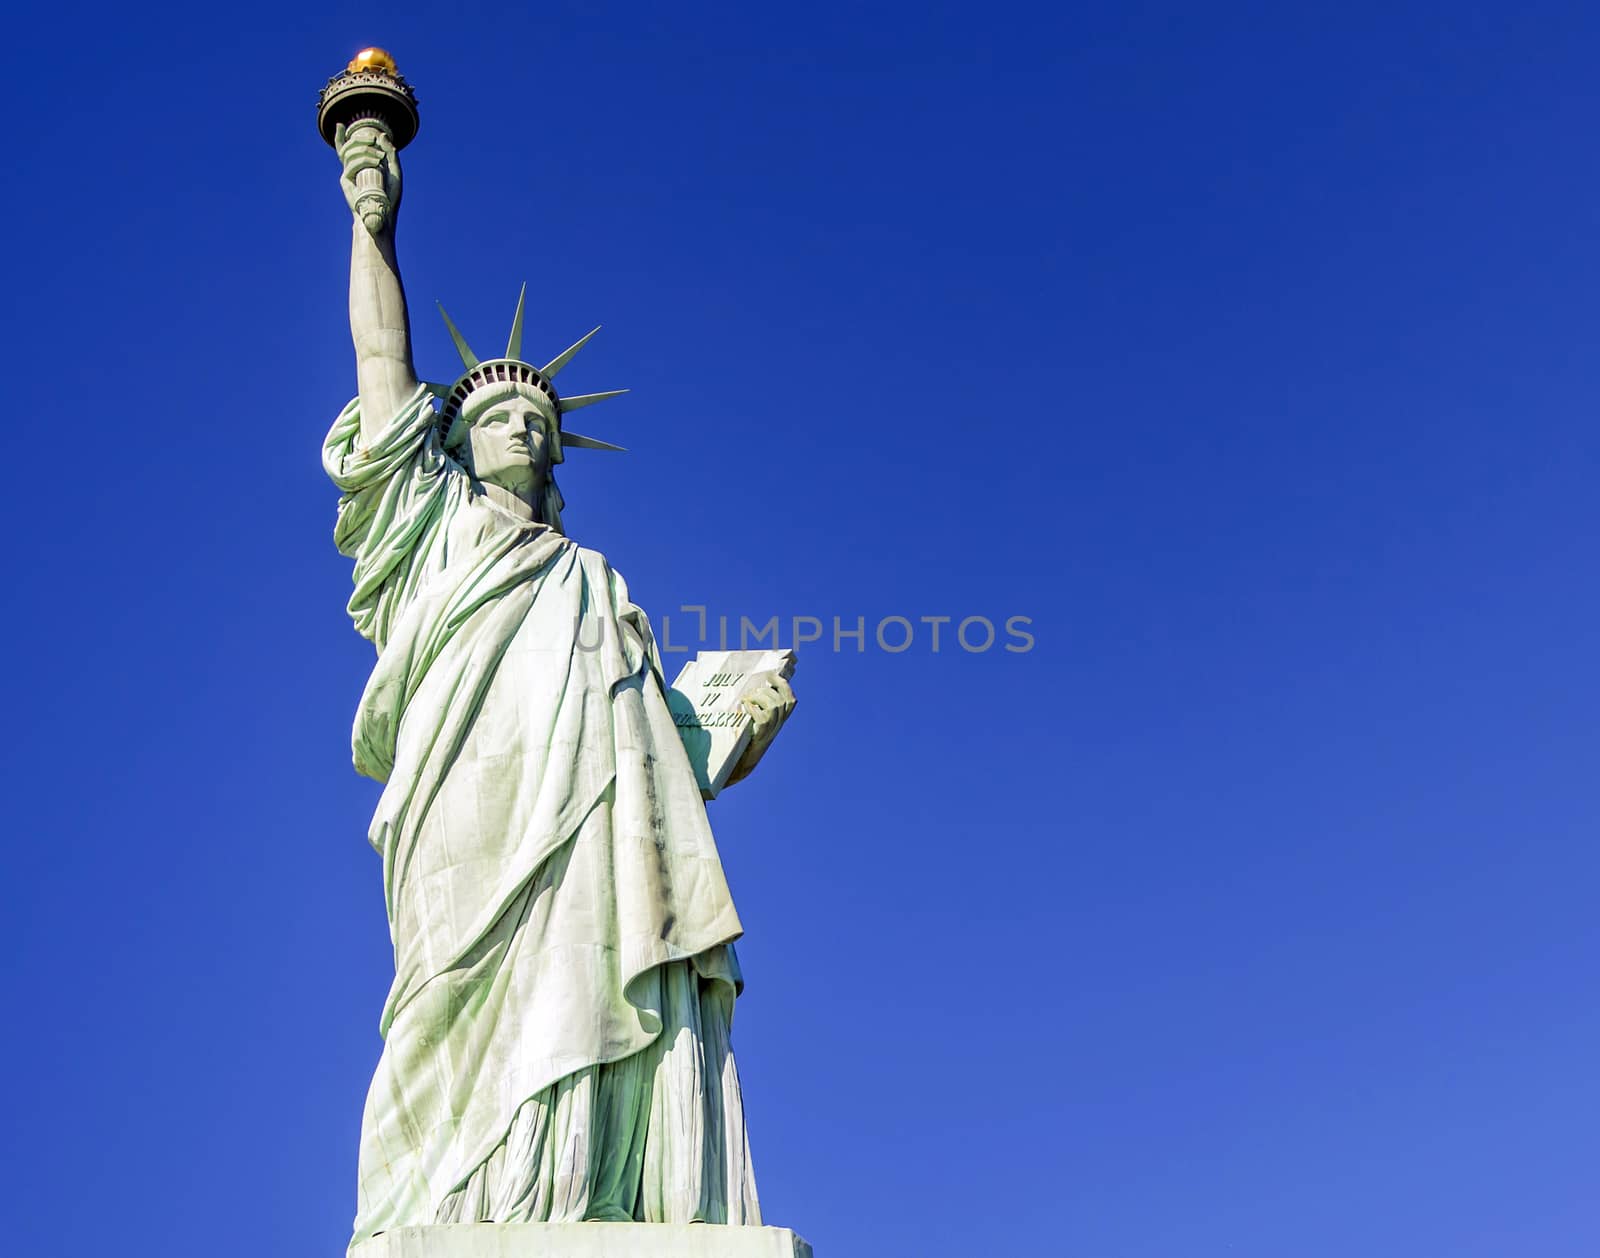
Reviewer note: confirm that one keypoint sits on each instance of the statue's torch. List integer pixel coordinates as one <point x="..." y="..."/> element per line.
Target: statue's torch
<point x="369" y="98"/>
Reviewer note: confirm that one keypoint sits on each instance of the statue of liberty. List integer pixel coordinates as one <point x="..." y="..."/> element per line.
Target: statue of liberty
<point x="556" y="1041"/>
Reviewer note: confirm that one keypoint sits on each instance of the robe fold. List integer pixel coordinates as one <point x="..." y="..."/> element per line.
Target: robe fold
<point x="555" y="1041"/>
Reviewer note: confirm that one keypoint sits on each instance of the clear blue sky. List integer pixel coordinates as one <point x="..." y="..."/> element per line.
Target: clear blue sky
<point x="1251" y="351"/>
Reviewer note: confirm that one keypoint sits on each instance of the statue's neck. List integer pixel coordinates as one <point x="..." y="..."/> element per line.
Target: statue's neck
<point x="520" y="505"/>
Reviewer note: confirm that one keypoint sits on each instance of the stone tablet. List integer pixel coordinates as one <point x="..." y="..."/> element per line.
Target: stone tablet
<point x="705" y="706"/>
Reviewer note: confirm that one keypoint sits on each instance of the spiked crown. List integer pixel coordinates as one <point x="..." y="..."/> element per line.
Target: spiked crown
<point x="492" y="373"/>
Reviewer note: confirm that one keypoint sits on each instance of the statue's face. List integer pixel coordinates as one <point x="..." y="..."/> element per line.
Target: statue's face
<point x="508" y="444"/>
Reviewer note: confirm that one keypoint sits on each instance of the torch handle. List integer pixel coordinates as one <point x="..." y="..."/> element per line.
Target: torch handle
<point x="372" y="199"/>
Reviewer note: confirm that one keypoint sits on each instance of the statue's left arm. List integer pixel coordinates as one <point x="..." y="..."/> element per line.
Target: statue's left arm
<point x="768" y="705"/>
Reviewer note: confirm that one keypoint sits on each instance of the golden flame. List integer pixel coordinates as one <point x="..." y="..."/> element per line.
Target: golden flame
<point x="373" y="59"/>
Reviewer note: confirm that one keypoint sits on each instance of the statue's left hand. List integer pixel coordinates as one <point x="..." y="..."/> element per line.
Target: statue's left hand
<point x="769" y="705"/>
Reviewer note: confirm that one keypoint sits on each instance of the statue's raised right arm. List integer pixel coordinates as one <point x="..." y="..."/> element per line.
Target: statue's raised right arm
<point x="379" y="323"/>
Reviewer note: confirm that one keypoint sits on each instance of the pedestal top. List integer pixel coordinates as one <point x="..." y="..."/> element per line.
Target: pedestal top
<point x="584" y="1240"/>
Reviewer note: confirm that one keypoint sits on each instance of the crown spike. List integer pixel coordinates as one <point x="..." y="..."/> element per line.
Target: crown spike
<point x="579" y="442"/>
<point x="586" y="399"/>
<point x="514" y="345"/>
<point x="469" y="360"/>
<point x="564" y="357"/>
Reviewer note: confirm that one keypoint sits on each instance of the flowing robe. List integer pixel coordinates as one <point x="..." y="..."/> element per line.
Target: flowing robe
<point x="556" y="1039"/>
